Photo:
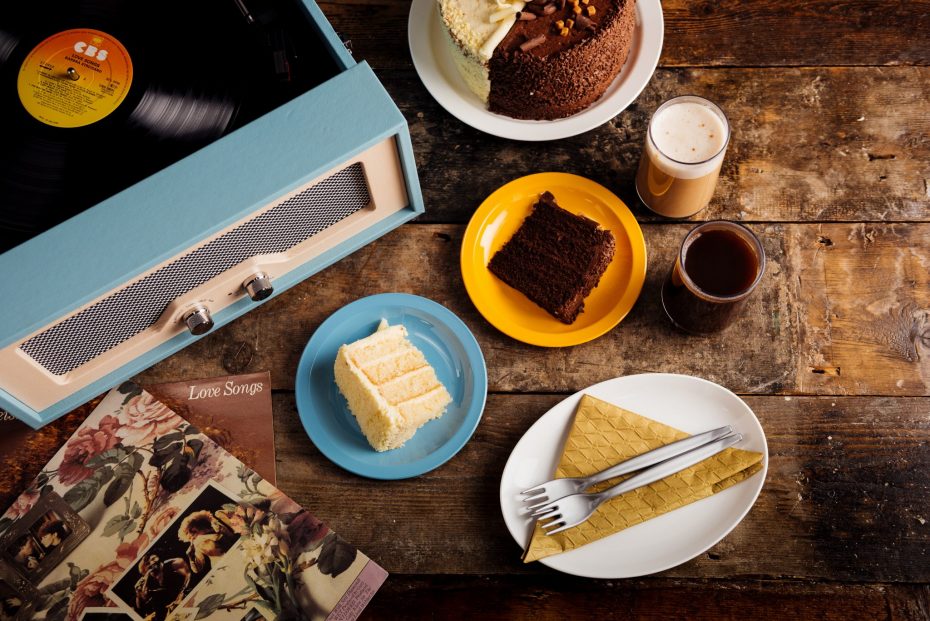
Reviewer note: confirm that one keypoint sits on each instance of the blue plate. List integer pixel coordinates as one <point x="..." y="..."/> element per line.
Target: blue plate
<point x="449" y="347"/>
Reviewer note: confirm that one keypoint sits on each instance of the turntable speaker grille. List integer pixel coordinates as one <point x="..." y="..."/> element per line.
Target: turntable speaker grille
<point x="127" y="312"/>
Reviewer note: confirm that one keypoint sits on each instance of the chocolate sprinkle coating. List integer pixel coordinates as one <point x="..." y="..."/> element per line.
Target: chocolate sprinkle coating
<point x="564" y="75"/>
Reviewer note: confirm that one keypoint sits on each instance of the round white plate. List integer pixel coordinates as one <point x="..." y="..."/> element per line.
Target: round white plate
<point x="433" y="62"/>
<point x="687" y="403"/>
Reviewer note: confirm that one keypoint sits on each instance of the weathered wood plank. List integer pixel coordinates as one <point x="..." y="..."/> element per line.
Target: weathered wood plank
<point x="873" y="280"/>
<point x="728" y="33"/>
<point x="555" y="598"/>
<point x="424" y="259"/>
<point x="836" y="144"/>
<point x="866" y="310"/>
<point x="846" y="498"/>
<point x="818" y="32"/>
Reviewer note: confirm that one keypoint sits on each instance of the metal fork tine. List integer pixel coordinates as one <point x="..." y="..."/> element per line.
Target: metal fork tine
<point x="534" y="491"/>
<point x="547" y="508"/>
<point x="535" y="498"/>
<point x="539" y="505"/>
<point x="553" y="519"/>
<point x="559" y="530"/>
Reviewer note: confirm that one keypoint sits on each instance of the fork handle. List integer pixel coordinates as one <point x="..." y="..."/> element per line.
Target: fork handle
<point x="658" y="455"/>
<point x="671" y="466"/>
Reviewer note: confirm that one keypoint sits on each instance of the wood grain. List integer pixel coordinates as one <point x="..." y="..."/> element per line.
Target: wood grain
<point x="556" y="598"/>
<point x="846" y="497"/>
<point x="866" y="316"/>
<point x="874" y="339"/>
<point x="814" y="32"/>
<point x="710" y="33"/>
<point x="818" y="144"/>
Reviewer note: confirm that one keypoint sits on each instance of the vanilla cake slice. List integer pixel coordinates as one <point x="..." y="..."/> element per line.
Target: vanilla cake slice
<point x="391" y="389"/>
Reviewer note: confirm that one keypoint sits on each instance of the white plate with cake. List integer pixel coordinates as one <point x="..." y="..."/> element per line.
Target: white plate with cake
<point x="540" y="70"/>
<point x="391" y="386"/>
<point x="647" y="533"/>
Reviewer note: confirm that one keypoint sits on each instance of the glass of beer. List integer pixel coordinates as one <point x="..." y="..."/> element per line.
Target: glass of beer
<point x="717" y="268"/>
<point x="685" y="145"/>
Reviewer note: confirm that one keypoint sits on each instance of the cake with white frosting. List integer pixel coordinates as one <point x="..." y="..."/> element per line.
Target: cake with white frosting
<point x="543" y="59"/>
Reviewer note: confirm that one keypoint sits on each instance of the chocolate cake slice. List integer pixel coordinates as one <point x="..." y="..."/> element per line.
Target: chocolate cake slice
<point x="555" y="258"/>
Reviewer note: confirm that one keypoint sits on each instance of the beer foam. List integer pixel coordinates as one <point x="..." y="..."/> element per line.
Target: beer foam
<point x="687" y="139"/>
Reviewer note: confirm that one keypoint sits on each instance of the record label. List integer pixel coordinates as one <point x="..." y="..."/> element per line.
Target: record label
<point x="75" y="78"/>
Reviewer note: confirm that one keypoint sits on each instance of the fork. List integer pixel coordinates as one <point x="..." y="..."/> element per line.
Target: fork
<point x="551" y="491"/>
<point x="576" y="508"/>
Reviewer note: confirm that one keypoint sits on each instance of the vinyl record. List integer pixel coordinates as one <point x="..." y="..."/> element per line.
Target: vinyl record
<point x="96" y="95"/>
<point x="8" y="43"/>
<point x="157" y="89"/>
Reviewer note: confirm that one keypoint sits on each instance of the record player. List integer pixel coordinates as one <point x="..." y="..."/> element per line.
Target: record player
<point x="167" y="167"/>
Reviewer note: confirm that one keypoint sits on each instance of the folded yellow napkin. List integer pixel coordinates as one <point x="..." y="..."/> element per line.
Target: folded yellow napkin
<point x="603" y="435"/>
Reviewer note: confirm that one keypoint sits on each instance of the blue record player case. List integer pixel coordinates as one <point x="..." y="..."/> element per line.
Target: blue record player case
<point x="142" y="274"/>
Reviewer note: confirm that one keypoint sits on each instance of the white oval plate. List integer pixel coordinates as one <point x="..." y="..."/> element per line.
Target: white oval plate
<point x="434" y="63"/>
<point x="687" y="403"/>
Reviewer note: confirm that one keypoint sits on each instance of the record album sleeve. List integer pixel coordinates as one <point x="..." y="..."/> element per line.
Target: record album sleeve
<point x="181" y="529"/>
<point x="233" y="410"/>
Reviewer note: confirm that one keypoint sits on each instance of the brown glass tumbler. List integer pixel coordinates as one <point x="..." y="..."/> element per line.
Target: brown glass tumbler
<point x="717" y="268"/>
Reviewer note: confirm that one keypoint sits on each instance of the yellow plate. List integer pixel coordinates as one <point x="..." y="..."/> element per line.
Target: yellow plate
<point x="508" y="310"/>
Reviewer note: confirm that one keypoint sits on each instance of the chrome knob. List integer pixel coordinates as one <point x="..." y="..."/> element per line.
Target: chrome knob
<point x="258" y="286"/>
<point x="198" y="320"/>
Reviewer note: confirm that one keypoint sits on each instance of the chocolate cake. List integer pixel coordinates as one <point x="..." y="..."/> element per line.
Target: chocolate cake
<point x="555" y="258"/>
<point x="561" y="75"/>
<point x="544" y="59"/>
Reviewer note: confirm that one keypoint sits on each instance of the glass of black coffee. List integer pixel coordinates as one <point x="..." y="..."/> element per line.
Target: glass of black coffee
<point x="717" y="268"/>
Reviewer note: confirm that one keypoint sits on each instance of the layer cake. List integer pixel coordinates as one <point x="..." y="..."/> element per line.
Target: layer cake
<point x="555" y="258"/>
<point x="390" y="387"/>
<point x="545" y="59"/>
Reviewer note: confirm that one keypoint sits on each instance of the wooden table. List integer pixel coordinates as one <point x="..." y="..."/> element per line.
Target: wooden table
<point x="830" y="165"/>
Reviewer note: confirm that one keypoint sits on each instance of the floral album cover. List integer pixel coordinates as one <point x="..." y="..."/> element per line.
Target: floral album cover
<point x="234" y="411"/>
<point x="179" y="529"/>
